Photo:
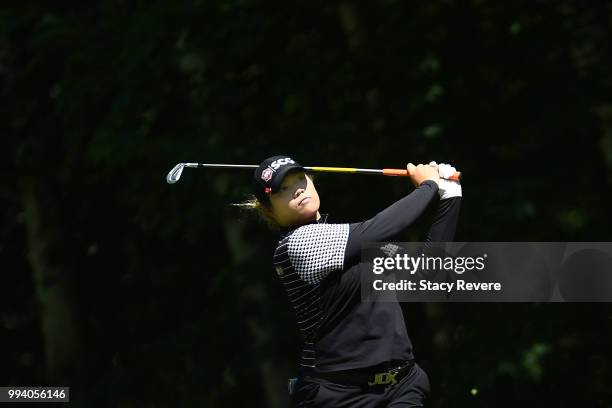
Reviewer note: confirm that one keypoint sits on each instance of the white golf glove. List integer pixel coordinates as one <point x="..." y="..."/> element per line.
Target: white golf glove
<point x="447" y="188"/>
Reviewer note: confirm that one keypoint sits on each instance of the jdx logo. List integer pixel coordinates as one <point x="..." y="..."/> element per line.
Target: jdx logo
<point x="383" y="379"/>
<point x="281" y="162"/>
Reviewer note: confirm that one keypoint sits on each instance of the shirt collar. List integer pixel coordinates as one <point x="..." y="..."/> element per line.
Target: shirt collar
<point x="284" y="231"/>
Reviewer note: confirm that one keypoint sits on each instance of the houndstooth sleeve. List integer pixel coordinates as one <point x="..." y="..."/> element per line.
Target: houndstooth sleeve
<point x="315" y="250"/>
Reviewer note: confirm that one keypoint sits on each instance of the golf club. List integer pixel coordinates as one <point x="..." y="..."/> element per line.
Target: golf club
<point x="175" y="174"/>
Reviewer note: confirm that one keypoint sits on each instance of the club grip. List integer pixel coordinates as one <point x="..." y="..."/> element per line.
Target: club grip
<point x="404" y="173"/>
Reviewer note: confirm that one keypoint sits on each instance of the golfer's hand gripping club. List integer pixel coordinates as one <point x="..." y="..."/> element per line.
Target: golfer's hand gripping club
<point x="421" y="173"/>
<point x="447" y="188"/>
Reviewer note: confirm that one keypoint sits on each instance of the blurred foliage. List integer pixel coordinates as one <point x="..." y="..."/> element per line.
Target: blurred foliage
<point x="174" y="296"/>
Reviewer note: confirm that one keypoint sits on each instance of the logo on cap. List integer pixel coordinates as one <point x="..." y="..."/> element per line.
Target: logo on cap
<point x="281" y="162"/>
<point x="266" y="175"/>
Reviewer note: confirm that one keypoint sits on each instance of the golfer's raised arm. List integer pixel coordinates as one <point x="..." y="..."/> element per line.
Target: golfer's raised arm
<point x="445" y="221"/>
<point x="388" y="223"/>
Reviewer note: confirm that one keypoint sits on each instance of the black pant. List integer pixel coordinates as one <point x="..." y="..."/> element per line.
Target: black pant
<point x="410" y="391"/>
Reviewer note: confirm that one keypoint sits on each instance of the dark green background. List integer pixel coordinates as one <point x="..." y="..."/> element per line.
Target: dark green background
<point x="138" y="293"/>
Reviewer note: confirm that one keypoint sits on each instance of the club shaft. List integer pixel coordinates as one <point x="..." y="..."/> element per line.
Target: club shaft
<point x="344" y="170"/>
<point x="226" y="166"/>
<point x="311" y="168"/>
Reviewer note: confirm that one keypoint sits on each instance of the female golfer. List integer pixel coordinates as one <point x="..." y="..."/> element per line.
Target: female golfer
<point x="355" y="354"/>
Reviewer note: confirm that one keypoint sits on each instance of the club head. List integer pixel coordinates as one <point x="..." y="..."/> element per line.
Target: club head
<point x="175" y="174"/>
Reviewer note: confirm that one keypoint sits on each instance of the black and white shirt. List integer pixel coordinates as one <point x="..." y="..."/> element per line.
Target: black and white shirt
<point x="318" y="264"/>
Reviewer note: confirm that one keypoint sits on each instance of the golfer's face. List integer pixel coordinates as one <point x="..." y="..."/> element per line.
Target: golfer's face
<point x="296" y="201"/>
